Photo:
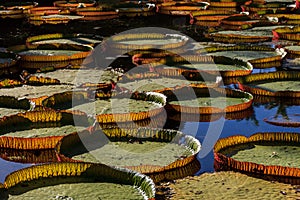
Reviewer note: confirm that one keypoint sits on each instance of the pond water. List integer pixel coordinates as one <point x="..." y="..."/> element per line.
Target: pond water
<point x="206" y="132"/>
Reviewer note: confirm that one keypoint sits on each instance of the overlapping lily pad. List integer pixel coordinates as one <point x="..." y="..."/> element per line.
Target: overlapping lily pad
<point x="136" y="149"/>
<point x="77" y="180"/>
<point x="288" y="33"/>
<point x="40" y="11"/>
<point x="180" y="8"/>
<point x="59" y="39"/>
<point x="53" y="19"/>
<point x="146" y="41"/>
<point x="201" y="100"/>
<point x="74" y="4"/>
<point x="12" y="14"/>
<point x="258" y="56"/>
<point x="278" y="84"/>
<point x="42" y="123"/>
<point x="50" y="55"/>
<point x="11" y="105"/>
<point x="96" y="13"/>
<point x="214" y="65"/>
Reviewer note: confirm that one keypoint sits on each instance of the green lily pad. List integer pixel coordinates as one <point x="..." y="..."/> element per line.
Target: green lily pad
<point x="208" y="66"/>
<point x="45" y="132"/>
<point x="274" y="154"/>
<point x="76" y="40"/>
<point x="245" y="55"/>
<point x="219" y="102"/>
<point x="158" y="83"/>
<point x="78" y="77"/>
<point x="256" y="31"/>
<point x="47" y="52"/>
<point x="9" y="111"/>
<point x="135" y="153"/>
<point x="151" y="41"/>
<point x="116" y="105"/>
<point x="230" y="185"/>
<point x="29" y="91"/>
<point x="279" y="86"/>
<point x="69" y="17"/>
<point x="83" y="190"/>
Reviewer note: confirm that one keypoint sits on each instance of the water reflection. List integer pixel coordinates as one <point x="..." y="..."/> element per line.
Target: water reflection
<point x="244" y="123"/>
<point x="247" y="126"/>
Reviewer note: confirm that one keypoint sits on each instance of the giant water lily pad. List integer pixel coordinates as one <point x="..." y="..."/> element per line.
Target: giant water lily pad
<point x="52" y="54"/>
<point x="46" y="132"/>
<point x="190" y="65"/>
<point x="288" y="33"/>
<point x="256" y="31"/>
<point x="147" y="41"/>
<point x="270" y="154"/>
<point x="258" y="56"/>
<point x="207" y="100"/>
<point x="135" y="148"/>
<point x="283" y="155"/>
<point x="136" y="153"/>
<point x="30" y="91"/>
<point x="279" y="86"/>
<point x="61" y="39"/>
<point x="245" y="55"/>
<point x="77" y="180"/>
<point x="53" y="19"/>
<point x="281" y="83"/>
<point x="229" y="185"/>
<point x="11" y="105"/>
<point x="82" y="76"/>
<point x="42" y="123"/>
<point x="293" y="51"/>
<point x="158" y="82"/>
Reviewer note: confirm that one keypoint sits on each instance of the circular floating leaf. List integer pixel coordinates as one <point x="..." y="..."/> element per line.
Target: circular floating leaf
<point x="74" y="4"/>
<point x="59" y="39"/>
<point x="279" y="84"/>
<point x="55" y="180"/>
<point x="208" y="100"/>
<point x="136" y="148"/>
<point x="96" y="13"/>
<point x="288" y="33"/>
<point x="180" y="8"/>
<point x="53" y="19"/>
<point x="40" y="11"/>
<point x="258" y="56"/>
<point x="229" y="185"/>
<point x="213" y="65"/>
<point x="146" y="41"/>
<point x="52" y="54"/>
<point x="270" y="150"/>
